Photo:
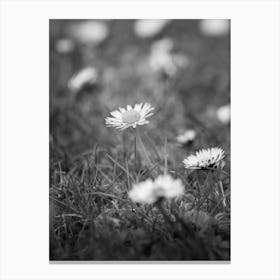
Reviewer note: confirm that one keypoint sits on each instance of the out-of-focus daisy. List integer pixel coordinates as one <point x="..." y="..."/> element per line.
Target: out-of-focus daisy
<point x="149" y="27"/>
<point x="162" y="60"/>
<point x="65" y="45"/>
<point x="85" y="77"/>
<point x="214" y="27"/>
<point x="223" y="114"/>
<point x="130" y="117"/>
<point x="90" y="32"/>
<point x="164" y="45"/>
<point x="187" y="137"/>
<point x="164" y="186"/>
<point x="205" y="158"/>
<point x="181" y="60"/>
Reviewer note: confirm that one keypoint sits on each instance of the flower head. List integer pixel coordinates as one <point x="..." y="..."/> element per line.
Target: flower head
<point x="87" y="76"/>
<point x="162" y="60"/>
<point x="89" y="32"/>
<point x="130" y="117"/>
<point x="223" y="114"/>
<point x="205" y="158"/>
<point x="146" y="28"/>
<point x="65" y="45"/>
<point x="186" y="137"/>
<point x="214" y="27"/>
<point x="164" y="186"/>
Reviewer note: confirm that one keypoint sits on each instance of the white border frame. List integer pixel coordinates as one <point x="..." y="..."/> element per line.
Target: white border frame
<point x="255" y="138"/>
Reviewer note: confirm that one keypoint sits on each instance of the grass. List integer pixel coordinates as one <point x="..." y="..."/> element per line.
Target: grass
<point x="92" y="167"/>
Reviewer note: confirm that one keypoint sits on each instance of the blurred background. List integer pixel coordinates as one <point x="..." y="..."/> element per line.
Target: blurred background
<point x="180" y="67"/>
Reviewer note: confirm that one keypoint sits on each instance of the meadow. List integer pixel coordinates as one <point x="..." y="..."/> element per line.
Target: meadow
<point x="183" y="74"/>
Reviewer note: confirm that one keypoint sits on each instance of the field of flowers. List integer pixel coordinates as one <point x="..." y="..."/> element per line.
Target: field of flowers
<point x="139" y="140"/>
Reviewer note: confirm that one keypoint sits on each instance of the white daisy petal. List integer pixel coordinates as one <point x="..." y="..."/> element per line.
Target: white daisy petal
<point x="137" y="107"/>
<point x="122" y="110"/>
<point x="148" y="115"/>
<point x="116" y="114"/>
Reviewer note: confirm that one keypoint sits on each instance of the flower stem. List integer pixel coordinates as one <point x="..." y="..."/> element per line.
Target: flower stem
<point x="135" y="150"/>
<point x="223" y="193"/>
<point x="141" y="147"/>
<point x="165" y="156"/>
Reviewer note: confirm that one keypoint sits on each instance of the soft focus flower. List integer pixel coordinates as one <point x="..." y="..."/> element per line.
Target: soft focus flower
<point x="204" y="158"/>
<point x="165" y="45"/>
<point x="164" y="186"/>
<point x="181" y="60"/>
<point x="149" y="27"/>
<point x="186" y="137"/>
<point x="130" y="117"/>
<point x="87" y="76"/>
<point x="223" y="114"/>
<point x="90" y="32"/>
<point x="162" y="60"/>
<point x="214" y="27"/>
<point x="64" y="45"/>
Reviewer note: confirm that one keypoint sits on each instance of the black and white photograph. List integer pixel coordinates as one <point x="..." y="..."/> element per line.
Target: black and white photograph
<point x="139" y="140"/>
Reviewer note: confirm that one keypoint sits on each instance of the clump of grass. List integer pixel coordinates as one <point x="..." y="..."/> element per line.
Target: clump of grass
<point x="92" y="217"/>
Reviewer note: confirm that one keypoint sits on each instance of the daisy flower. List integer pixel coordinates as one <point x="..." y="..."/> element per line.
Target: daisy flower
<point x="214" y="27"/>
<point x="186" y="137"/>
<point x="130" y="117"/>
<point x="146" y="28"/>
<point x="164" y="186"/>
<point x="87" y="76"/>
<point x="165" y="45"/>
<point x="162" y="60"/>
<point x="204" y="158"/>
<point x="223" y="114"/>
<point x="65" y="45"/>
<point x="90" y="32"/>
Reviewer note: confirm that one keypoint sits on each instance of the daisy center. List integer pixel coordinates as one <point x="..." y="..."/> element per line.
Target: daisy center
<point x="130" y="116"/>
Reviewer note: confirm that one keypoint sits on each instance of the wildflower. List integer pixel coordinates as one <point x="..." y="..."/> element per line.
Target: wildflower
<point x="165" y="45"/>
<point x="90" y="32"/>
<point x="164" y="186"/>
<point x="149" y="27"/>
<point x="130" y="117"/>
<point x="65" y="45"/>
<point x="205" y="158"/>
<point x="223" y="114"/>
<point x="87" y="76"/>
<point x="162" y="60"/>
<point x="214" y="27"/>
<point x="187" y="137"/>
